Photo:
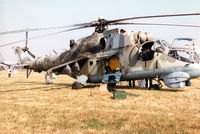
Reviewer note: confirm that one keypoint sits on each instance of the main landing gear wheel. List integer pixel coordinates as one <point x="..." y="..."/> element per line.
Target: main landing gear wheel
<point x="76" y="85"/>
<point x="188" y="83"/>
<point x="154" y="86"/>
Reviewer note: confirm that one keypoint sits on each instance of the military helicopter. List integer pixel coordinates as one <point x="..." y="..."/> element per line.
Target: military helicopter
<point x="113" y="55"/>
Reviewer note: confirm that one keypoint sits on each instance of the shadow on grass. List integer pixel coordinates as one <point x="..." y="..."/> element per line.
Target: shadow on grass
<point x="140" y="88"/>
<point x="57" y="86"/>
<point x="137" y="88"/>
<point x="60" y="85"/>
<point x="92" y="85"/>
<point x="36" y="88"/>
<point x="43" y="86"/>
<point x="53" y="84"/>
<point x="171" y="90"/>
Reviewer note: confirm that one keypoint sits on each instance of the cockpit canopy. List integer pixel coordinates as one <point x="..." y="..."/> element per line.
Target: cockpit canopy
<point x="161" y="46"/>
<point x="183" y="43"/>
<point x="184" y="55"/>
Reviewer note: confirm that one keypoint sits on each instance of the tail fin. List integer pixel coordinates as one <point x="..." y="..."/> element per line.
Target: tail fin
<point x="21" y="55"/>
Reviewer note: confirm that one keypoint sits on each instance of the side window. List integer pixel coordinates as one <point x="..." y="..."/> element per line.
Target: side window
<point x="181" y="55"/>
<point x="146" y="53"/>
<point x="109" y="42"/>
<point x="196" y="57"/>
<point x="165" y="43"/>
<point x="102" y="43"/>
<point x="106" y="43"/>
<point x="173" y="53"/>
<point x="159" y="47"/>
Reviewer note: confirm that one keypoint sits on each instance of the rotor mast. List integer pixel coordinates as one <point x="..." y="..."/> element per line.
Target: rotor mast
<point x="101" y="25"/>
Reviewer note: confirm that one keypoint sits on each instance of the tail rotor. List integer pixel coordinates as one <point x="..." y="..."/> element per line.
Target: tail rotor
<point x="26" y="49"/>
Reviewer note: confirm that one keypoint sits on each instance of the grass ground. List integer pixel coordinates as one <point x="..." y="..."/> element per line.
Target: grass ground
<point x="30" y="106"/>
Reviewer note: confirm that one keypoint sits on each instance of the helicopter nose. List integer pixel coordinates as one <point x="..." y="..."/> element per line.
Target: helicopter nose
<point x="193" y="70"/>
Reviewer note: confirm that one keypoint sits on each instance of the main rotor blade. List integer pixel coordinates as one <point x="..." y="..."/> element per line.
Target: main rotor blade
<point x="113" y="22"/>
<point x="159" y="24"/>
<point x="4" y="64"/>
<point x="34" y="29"/>
<point x="153" y="16"/>
<point x="83" y="24"/>
<point x="95" y="23"/>
<point x="42" y="36"/>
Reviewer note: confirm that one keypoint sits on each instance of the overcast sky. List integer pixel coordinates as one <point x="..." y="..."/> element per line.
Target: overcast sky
<point x="20" y="14"/>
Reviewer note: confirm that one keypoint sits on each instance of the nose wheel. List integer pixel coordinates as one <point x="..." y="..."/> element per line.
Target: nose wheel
<point x="155" y="86"/>
<point x="148" y="83"/>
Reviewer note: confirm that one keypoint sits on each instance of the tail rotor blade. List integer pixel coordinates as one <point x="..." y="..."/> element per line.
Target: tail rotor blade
<point x="31" y="54"/>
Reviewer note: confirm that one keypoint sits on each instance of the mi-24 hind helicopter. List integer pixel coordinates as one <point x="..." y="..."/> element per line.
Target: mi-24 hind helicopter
<point x="109" y="56"/>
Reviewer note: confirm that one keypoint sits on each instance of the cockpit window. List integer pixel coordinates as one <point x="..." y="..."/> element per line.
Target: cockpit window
<point x="166" y="43"/>
<point x="196" y="57"/>
<point x="159" y="47"/>
<point x="158" y="42"/>
<point x="182" y="42"/>
<point x="181" y="55"/>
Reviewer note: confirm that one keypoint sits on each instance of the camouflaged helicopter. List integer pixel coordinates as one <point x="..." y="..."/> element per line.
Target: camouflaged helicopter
<point x="113" y="55"/>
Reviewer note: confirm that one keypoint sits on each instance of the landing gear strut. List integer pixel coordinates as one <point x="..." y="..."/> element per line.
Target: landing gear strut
<point x="49" y="78"/>
<point x="132" y="83"/>
<point x="155" y="86"/>
<point x="110" y="87"/>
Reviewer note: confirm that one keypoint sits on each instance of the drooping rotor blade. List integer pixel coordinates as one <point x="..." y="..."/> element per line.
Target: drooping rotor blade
<point x="83" y="24"/>
<point x="97" y="23"/>
<point x="152" y="16"/>
<point x="77" y="28"/>
<point x="34" y="29"/>
<point x="113" y="22"/>
<point x="101" y="24"/>
<point x="158" y="24"/>
<point x="5" y="64"/>
<point x="42" y="36"/>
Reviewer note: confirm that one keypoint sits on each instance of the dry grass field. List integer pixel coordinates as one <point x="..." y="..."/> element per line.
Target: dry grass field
<point x="31" y="106"/>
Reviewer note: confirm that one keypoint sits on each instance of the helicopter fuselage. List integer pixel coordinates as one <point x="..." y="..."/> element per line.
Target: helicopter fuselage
<point x="116" y="55"/>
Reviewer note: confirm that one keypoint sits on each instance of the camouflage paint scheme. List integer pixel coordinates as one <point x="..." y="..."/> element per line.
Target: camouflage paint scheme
<point x="116" y="55"/>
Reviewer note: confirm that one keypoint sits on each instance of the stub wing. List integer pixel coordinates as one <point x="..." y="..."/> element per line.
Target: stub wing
<point x="69" y="68"/>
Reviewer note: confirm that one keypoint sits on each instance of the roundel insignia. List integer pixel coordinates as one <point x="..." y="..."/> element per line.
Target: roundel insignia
<point x="164" y="59"/>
